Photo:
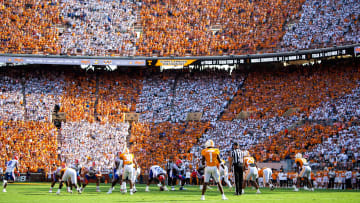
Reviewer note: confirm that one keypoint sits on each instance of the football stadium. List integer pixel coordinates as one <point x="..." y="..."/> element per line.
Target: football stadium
<point x="180" y="100"/>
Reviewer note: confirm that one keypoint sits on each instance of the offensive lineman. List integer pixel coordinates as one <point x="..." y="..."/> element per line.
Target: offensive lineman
<point x="305" y="172"/>
<point x="9" y="172"/>
<point x="266" y="173"/>
<point x="156" y="173"/>
<point x="68" y="174"/>
<point x="211" y="159"/>
<point x="251" y="172"/>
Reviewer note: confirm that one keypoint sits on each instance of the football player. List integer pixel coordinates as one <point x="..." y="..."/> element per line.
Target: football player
<point x="251" y="172"/>
<point x="77" y="167"/>
<point x="266" y="174"/>
<point x="9" y="172"/>
<point x="87" y="174"/>
<point x="117" y="173"/>
<point x="136" y="174"/>
<point x="211" y="160"/>
<point x="68" y="174"/>
<point x="303" y="167"/>
<point x="175" y="174"/>
<point x="156" y="173"/>
<point x="128" y="160"/>
<point x="55" y="176"/>
<point x="224" y="173"/>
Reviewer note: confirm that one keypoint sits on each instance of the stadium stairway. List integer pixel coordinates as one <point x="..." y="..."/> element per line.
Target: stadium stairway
<point x="231" y="99"/>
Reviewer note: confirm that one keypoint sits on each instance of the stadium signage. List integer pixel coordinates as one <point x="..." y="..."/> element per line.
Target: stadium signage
<point x="70" y="61"/>
<point x="174" y="62"/>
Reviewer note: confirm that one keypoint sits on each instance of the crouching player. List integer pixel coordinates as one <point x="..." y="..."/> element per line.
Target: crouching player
<point x="90" y="173"/>
<point x="211" y="159"/>
<point x="9" y="172"/>
<point x="175" y="174"/>
<point x="156" y="173"/>
<point x="55" y="176"/>
<point x="251" y="173"/>
<point x="68" y="174"/>
<point x="118" y="169"/>
<point x="305" y="173"/>
<point x="266" y="173"/>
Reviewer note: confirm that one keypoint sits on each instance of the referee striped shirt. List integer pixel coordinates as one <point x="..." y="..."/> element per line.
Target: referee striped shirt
<point x="237" y="156"/>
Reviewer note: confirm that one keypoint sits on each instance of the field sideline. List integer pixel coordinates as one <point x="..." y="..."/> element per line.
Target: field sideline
<point x="38" y="192"/>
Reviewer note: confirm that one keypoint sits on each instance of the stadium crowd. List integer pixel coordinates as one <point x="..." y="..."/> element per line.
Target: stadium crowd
<point x="174" y="28"/>
<point x="327" y="121"/>
<point x="324" y="24"/>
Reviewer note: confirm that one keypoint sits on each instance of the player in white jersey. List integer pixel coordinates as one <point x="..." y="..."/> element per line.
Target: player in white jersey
<point x="118" y="171"/>
<point x="224" y="173"/>
<point x="156" y="173"/>
<point x="9" y="172"/>
<point x="68" y="174"/>
<point x="77" y="167"/>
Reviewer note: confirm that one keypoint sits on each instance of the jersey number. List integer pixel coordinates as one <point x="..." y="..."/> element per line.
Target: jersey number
<point x="211" y="158"/>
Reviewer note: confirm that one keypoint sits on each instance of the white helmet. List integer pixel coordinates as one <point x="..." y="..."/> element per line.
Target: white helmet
<point x="209" y="143"/>
<point x="298" y="156"/>
<point x="246" y="153"/>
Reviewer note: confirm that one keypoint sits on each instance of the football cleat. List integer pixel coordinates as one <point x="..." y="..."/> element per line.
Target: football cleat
<point x="58" y="192"/>
<point x="203" y="197"/>
<point x="98" y="190"/>
<point x="272" y="187"/>
<point x="79" y="191"/>
<point x="258" y="192"/>
<point x="131" y="193"/>
<point x="172" y="188"/>
<point x="50" y="191"/>
<point x="224" y="197"/>
<point x="165" y="188"/>
<point x="242" y="191"/>
<point x="4" y="190"/>
<point x="147" y="189"/>
<point x="296" y="190"/>
<point x="110" y="191"/>
<point x="312" y="189"/>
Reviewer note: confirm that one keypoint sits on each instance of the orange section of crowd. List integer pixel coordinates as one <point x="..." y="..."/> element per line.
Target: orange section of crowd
<point x="156" y="144"/>
<point x="33" y="142"/>
<point x="269" y="94"/>
<point x="118" y="94"/>
<point x="288" y="143"/>
<point x="200" y="27"/>
<point x="28" y="27"/>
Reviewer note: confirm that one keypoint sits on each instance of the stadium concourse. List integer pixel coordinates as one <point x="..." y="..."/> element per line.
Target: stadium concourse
<point x="176" y="27"/>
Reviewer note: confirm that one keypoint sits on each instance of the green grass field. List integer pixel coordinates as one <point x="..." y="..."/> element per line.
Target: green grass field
<point x="38" y="192"/>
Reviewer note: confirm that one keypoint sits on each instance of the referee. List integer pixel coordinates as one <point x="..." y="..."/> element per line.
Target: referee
<point x="236" y="160"/>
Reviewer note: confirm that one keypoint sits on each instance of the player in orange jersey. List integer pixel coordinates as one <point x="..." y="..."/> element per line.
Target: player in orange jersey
<point x="305" y="172"/>
<point x="211" y="160"/>
<point x="251" y="172"/>
<point x="129" y="161"/>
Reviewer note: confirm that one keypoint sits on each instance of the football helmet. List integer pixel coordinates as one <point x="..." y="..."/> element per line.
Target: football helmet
<point x="178" y="162"/>
<point x="209" y="143"/>
<point x="161" y="178"/>
<point x="298" y="156"/>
